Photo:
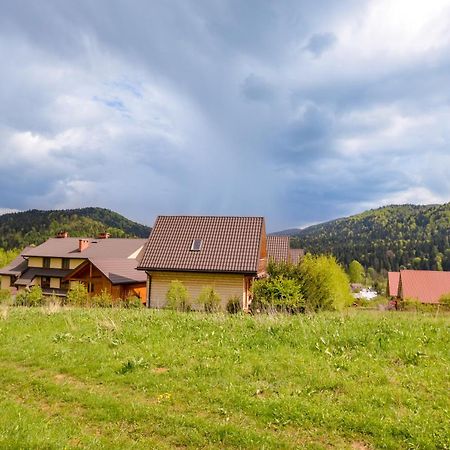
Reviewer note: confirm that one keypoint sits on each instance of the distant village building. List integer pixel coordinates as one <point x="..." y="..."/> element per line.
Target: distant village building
<point x="426" y="286"/>
<point x="100" y="264"/>
<point x="279" y="250"/>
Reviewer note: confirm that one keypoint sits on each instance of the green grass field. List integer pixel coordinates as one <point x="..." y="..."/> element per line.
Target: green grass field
<point x="156" y="379"/>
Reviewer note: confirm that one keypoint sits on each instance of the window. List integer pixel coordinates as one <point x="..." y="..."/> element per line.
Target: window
<point x="196" y="245"/>
<point x="65" y="285"/>
<point x="45" y="282"/>
<point x="66" y="263"/>
<point x="46" y="263"/>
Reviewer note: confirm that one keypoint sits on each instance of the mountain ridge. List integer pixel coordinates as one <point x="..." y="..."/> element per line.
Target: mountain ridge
<point x="386" y="238"/>
<point x="32" y="227"/>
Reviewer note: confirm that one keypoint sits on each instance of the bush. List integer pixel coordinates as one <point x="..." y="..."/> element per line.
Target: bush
<point x="234" y="305"/>
<point x="132" y="302"/>
<point x="325" y="283"/>
<point x="445" y="300"/>
<point x="277" y="293"/>
<point x="102" y="300"/>
<point x="78" y="295"/>
<point x="177" y="296"/>
<point x="5" y="296"/>
<point x="209" y="299"/>
<point x="32" y="297"/>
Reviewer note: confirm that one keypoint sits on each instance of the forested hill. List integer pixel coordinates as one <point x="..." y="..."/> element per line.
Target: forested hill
<point x="407" y="236"/>
<point x="33" y="227"/>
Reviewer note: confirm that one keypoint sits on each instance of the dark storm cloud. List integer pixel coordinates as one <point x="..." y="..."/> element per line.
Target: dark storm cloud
<point x="299" y="111"/>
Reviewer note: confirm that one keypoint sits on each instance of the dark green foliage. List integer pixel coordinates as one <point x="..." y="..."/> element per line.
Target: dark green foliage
<point x="234" y="305"/>
<point x="18" y="230"/>
<point x="209" y="299"/>
<point x="388" y="238"/>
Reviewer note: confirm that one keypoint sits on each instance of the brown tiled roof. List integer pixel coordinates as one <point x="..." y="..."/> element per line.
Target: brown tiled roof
<point x="228" y="244"/>
<point x="426" y="286"/>
<point x="278" y="248"/>
<point x="16" y="267"/>
<point x="120" y="270"/>
<point x="393" y="280"/>
<point x="98" y="248"/>
<point x="296" y="255"/>
<point x="28" y="276"/>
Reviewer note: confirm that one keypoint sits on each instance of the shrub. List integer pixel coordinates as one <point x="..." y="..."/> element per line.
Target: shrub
<point x="102" y="300"/>
<point x="178" y="297"/>
<point x="445" y="300"/>
<point x="132" y="302"/>
<point x="277" y="293"/>
<point x="78" y="295"/>
<point x="209" y="299"/>
<point x="325" y="284"/>
<point x="234" y="305"/>
<point x="32" y="297"/>
<point x="5" y="296"/>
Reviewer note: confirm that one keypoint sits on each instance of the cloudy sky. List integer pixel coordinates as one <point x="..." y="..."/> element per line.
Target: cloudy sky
<point x="300" y="111"/>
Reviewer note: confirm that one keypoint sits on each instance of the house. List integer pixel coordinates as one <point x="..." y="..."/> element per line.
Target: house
<point x="392" y="284"/>
<point x="109" y="264"/>
<point x="279" y="250"/>
<point x="10" y="273"/>
<point x="427" y="286"/>
<point x="226" y="253"/>
<point x="117" y="276"/>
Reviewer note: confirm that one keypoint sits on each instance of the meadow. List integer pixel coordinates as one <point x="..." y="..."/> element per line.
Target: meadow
<point x="116" y="378"/>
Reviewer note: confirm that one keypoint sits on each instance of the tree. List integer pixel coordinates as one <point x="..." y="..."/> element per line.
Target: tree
<point x="356" y="272"/>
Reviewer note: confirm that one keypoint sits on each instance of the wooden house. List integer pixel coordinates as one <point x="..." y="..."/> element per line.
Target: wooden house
<point x="52" y="266"/>
<point x="226" y="253"/>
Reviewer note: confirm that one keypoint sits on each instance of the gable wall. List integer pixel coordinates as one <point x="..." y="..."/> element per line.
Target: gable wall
<point x="226" y="285"/>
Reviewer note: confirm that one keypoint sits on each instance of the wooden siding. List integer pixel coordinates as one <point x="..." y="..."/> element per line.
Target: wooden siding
<point x="96" y="282"/>
<point x="226" y="285"/>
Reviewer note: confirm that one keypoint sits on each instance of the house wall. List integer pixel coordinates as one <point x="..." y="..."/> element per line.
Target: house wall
<point x="55" y="263"/>
<point x="5" y="282"/>
<point x="74" y="263"/>
<point x="226" y="285"/>
<point x="55" y="283"/>
<point x="35" y="261"/>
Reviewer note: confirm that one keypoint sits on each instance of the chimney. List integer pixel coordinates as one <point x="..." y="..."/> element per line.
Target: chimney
<point x="83" y="244"/>
<point x="103" y="236"/>
<point x="62" y="234"/>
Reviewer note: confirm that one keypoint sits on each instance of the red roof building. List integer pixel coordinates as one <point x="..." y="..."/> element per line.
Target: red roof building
<point x="392" y="286"/>
<point x="427" y="286"/>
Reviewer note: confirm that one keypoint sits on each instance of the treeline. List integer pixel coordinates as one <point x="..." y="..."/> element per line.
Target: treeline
<point x="17" y="230"/>
<point x="385" y="239"/>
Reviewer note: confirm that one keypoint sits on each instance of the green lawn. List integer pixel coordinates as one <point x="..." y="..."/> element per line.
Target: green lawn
<point x="156" y="379"/>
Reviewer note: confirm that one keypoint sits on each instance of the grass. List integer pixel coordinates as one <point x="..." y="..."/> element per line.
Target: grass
<point x="117" y="378"/>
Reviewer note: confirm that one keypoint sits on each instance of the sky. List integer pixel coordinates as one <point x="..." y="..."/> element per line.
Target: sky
<point x="299" y="111"/>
